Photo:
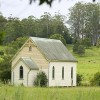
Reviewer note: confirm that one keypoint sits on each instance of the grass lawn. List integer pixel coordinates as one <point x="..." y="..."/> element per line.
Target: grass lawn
<point x="70" y="93"/>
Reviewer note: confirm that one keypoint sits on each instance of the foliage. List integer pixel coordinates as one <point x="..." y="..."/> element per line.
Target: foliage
<point x="98" y="43"/>
<point x="45" y="26"/>
<point x="1" y="52"/>
<point x="81" y="50"/>
<point x="96" y="79"/>
<point x="5" y="64"/>
<point x="5" y="75"/>
<point x="41" y="79"/>
<point x="75" y="48"/>
<point x="79" y="79"/>
<point x="13" y="47"/>
<point x="58" y="37"/>
<point x="87" y="42"/>
<point x="84" y="21"/>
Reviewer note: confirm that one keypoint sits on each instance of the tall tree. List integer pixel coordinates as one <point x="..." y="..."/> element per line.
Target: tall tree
<point x="84" y="21"/>
<point x="2" y="28"/>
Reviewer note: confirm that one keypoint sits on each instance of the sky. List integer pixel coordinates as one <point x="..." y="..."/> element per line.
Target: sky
<point x="22" y="8"/>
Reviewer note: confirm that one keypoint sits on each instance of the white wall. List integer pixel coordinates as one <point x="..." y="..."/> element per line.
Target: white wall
<point x="28" y="75"/>
<point x="58" y="81"/>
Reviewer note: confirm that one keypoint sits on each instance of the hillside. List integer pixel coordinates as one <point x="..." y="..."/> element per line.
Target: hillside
<point x="89" y="64"/>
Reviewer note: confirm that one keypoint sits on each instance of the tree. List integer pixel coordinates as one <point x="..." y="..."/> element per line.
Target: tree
<point x="13" y="47"/>
<point x="75" y="47"/>
<point x="84" y="21"/>
<point x="58" y="37"/>
<point x="81" y="50"/>
<point x="2" y="28"/>
<point x="77" y="20"/>
<point x="87" y="42"/>
<point x="13" y="30"/>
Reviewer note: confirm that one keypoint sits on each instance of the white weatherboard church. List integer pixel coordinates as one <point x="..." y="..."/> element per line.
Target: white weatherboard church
<point x="47" y="55"/>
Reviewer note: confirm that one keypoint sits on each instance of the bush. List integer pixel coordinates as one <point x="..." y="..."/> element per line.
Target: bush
<point x="75" y="48"/>
<point x="81" y="50"/>
<point x="41" y="79"/>
<point x="5" y="75"/>
<point x="95" y="81"/>
<point x="79" y="79"/>
<point x="87" y="42"/>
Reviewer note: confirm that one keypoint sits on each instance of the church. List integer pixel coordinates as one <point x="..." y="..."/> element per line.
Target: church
<point x="47" y="55"/>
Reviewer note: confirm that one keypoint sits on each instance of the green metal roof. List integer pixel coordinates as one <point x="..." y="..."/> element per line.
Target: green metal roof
<point x="30" y="63"/>
<point x="54" y="50"/>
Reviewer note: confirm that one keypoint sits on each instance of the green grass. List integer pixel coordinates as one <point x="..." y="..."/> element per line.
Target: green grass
<point x="88" y="64"/>
<point x="22" y="93"/>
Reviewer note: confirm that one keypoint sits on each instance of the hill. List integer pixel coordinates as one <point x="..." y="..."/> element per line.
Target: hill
<point x="88" y="64"/>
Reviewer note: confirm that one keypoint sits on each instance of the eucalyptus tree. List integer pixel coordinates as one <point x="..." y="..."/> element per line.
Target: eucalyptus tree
<point x="29" y="26"/>
<point x="77" y="20"/>
<point x="84" y="21"/>
<point x="44" y="25"/>
<point x="92" y="28"/>
<point x="13" y="30"/>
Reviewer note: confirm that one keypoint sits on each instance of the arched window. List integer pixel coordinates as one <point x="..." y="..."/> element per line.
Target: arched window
<point x="53" y="72"/>
<point x="21" y="72"/>
<point x="72" y="76"/>
<point x="30" y="48"/>
<point x="71" y="72"/>
<point x="62" y="72"/>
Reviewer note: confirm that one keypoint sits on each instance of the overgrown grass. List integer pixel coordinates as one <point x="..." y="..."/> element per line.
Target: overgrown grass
<point x="72" y="93"/>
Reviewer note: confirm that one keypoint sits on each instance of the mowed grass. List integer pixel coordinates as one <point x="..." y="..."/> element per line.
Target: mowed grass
<point x="70" y="93"/>
<point x="88" y="64"/>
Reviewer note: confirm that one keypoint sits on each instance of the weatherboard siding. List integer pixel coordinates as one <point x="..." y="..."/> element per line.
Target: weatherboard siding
<point x="35" y="54"/>
<point x="58" y="81"/>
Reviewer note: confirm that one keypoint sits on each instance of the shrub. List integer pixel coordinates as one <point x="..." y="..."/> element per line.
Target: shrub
<point x="41" y="79"/>
<point x="75" y="48"/>
<point x="79" y="79"/>
<point x="81" y="50"/>
<point x="96" y="79"/>
<point x="5" y="75"/>
<point x="87" y="42"/>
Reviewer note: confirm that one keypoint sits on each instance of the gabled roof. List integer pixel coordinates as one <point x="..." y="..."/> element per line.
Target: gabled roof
<point x="29" y="62"/>
<point x="53" y="50"/>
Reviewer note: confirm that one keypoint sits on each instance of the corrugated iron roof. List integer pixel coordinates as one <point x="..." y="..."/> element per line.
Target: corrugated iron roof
<point x="30" y="63"/>
<point x="53" y="50"/>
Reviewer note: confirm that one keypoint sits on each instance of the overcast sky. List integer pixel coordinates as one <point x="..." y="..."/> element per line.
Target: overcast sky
<point x="22" y="9"/>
